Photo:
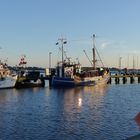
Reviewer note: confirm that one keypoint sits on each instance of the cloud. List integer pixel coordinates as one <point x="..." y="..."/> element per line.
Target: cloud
<point x="113" y="44"/>
<point x="134" y="52"/>
<point x="105" y="44"/>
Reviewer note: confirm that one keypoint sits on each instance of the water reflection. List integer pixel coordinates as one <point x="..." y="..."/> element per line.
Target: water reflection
<point x="77" y="97"/>
<point x="80" y="102"/>
<point x="98" y="112"/>
<point x="77" y="109"/>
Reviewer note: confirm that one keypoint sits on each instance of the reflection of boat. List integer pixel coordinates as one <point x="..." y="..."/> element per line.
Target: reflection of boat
<point x="7" y="78"/>
<point x="70" y="74"/>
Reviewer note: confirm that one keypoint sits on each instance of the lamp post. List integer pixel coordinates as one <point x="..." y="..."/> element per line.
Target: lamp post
<point x="120" y="58"/>
<point x="50" y="62"/>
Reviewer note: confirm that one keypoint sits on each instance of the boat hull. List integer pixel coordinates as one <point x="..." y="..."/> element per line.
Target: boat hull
<point x="30" y="83"/>
<point x="8" y="82"/>
<point x="65" y="82"/>
<point x="72" y="82"/>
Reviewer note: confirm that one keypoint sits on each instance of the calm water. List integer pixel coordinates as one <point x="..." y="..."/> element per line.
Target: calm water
<point x="99" y="113"/>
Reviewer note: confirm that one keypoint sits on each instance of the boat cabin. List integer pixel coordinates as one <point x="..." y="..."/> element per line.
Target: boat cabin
<point x="4" y="71"/>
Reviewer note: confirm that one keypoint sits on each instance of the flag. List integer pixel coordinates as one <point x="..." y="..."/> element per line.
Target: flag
<point x="24" y="62"/>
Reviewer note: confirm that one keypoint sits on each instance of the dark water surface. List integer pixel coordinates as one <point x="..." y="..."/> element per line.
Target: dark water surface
<point x="89" y="113"/>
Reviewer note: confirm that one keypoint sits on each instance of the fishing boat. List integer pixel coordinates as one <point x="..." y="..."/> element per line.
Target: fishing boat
<point x="69" y="74"/>
<point x="7" y="77"/>
<point x="28" y="78"/>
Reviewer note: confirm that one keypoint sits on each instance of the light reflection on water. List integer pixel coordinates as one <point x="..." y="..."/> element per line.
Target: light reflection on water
<point x="93" y="113"/>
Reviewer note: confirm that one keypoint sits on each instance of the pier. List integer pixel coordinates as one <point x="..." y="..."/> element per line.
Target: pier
<point x="114" y="79"/>
<point x="125" y="78"/>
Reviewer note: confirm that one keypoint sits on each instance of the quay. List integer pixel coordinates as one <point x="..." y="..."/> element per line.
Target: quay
<point x="118" y="78"/>
<point x="47" y="77"/>
<point x="36" y="75"/>
<point x="132" y="78"/>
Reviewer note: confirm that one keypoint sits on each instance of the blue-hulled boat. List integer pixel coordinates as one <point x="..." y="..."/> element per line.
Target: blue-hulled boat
<point x="69" y="74"/>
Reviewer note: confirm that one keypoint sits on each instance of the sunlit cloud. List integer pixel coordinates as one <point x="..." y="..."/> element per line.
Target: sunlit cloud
<point x="105" y="45"/>
<point x="113" y="44"/>
<point x="134" y="52"/>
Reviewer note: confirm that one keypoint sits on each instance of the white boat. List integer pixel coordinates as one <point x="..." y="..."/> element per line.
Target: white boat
<point x="7" y="78"/>
<point x="70" y="74"/>
<point x="8" y="82"/>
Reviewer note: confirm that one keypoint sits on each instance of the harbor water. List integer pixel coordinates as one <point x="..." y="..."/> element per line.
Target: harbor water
<point x="103" y="112"/>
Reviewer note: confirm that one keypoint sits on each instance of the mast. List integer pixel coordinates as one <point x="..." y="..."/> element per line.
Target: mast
<point x="63" y="41"/>
<point x="93" y="49"/>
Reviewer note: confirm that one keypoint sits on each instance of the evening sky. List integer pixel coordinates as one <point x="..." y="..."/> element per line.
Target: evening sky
<point x="32" y="27"/>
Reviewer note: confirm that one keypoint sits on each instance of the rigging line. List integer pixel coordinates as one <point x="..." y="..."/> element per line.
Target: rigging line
<point x="87" y="57"/>
<point x="99" y="56"/>
<point x="67" y="58"/>
<point x="58" y="54"/>
<point x="60" y="50"/>
<point x="105" y="63"/>
<point x="65" y="55"/>
<point x="77" y="40"/>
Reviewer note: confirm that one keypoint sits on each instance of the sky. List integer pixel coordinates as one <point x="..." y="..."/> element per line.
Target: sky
<point x="32" y="28"/>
